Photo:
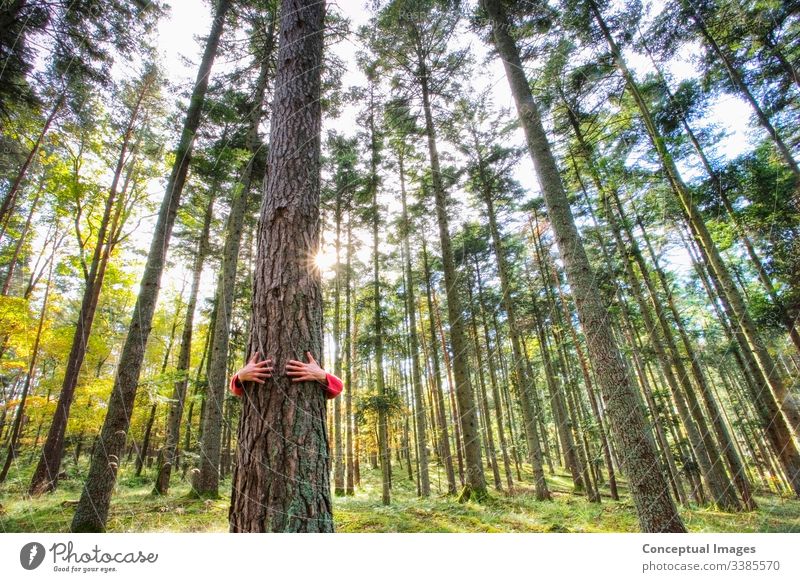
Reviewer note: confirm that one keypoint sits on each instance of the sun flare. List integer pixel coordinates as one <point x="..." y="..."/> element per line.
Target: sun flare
<point x="325" y="260"/>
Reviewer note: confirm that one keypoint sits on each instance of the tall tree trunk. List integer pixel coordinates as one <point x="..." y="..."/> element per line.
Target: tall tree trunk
<point x="338" y="448"/>
<point x="523" y="382"/>
<point x="482" y="398"/>
<point x="497" y="400"/>
<point x="655" y="508"/>
<point x="281" y="479"/>
<point x="11" y="197"/>
<point x="455" y="418"/>
<point x="416" y="377"/>
<point x="12" y="264"/>
<point x="172" y="436"/>
<point x="444" y="436"/>
<point x="556" y="388"/>
<point x="383" y="428"/>
<point x="349" y="346"/>
<point x="206" y="482"/>
<point x="92" y="510"/>
<point x="476" y="481"/>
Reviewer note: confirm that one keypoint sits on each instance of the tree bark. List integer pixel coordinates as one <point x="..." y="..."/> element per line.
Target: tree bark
<point x="444" y="436"/>
<point x="281" y="478"/>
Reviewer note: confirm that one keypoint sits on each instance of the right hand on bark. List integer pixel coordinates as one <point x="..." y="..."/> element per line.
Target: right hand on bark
<point x="256" y="370"/>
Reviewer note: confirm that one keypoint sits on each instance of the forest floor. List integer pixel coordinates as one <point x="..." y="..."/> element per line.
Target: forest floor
<point x="135" y="509"/>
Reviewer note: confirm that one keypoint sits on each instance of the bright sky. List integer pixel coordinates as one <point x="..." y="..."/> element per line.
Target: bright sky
<point x="190" y="18"/>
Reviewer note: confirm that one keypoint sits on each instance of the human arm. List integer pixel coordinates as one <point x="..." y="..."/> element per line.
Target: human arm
<point x="313" y="372"/>
<point x="254" y="371"/>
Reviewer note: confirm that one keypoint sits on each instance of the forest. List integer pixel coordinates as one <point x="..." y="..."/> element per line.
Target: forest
<point x="550" y="247"/>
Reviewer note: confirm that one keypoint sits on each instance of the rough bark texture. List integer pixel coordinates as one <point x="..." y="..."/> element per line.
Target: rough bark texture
<point x="281" y="477"/>
<point x="349" y="345"/>
<point x="648" y="487"/>
<point x="380" y="383"/>
<point x="92" y="510"/>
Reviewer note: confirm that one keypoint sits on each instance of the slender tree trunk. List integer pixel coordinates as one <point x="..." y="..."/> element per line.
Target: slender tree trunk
<point x="172" y="436"/>
<point x="11" y="197"/>
<point x="523" y="382"/>
<point x="377" y="313"/>
<point x="455" y="417"/>
<point x="483" y="400"/>
<point x="206" y="482"/>
<point x="338" y="455"/>
<point x="476" y="481"/>
<point x="496" y="397"/>
<point x="650" y="491"/>
<point x="92" y="510"/>
<point x="17" y="426"/>
<point x="444" y="437"/>
<point x="277" y="485"/>
<point x="349" y="346"/>
<point x="416" y="377"/>
<point x="12" y="264"/>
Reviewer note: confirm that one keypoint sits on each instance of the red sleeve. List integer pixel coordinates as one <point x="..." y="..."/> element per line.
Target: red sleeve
<point x="236" y="386"/>
<point x="334" y="387"/>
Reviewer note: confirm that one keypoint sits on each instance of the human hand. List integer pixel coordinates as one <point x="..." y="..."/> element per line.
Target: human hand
<point x="255" y="370"/>
<point x="306" y="372"/>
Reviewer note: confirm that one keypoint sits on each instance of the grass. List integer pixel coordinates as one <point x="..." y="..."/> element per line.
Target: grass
<point x="135" y="509"/>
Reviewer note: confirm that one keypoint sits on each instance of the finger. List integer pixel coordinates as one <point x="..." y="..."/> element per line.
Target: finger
<point x="262" y="364"/>
<point x="295" y="367"/>
<point x="253" y="358"/>
<point x="311" y="359"/>
<point x="304" y="378"/>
